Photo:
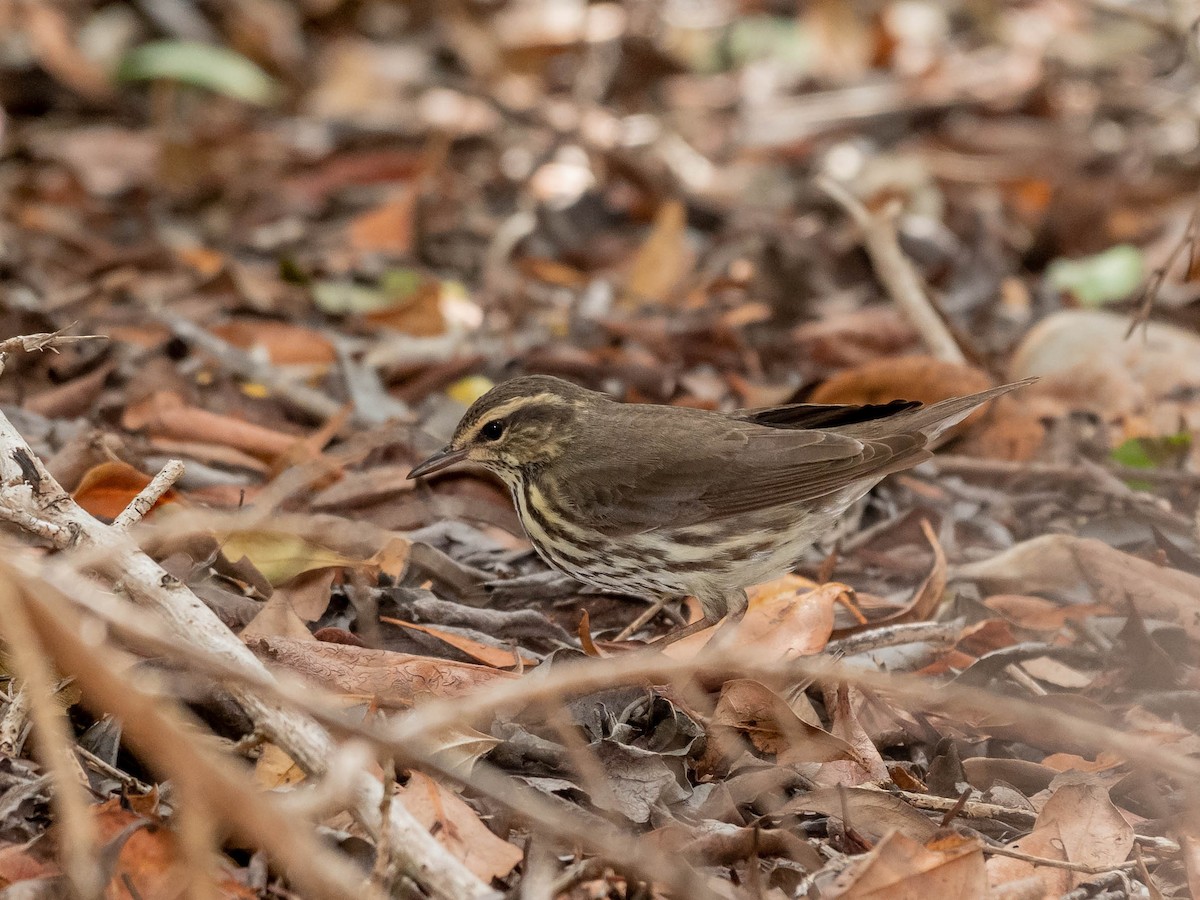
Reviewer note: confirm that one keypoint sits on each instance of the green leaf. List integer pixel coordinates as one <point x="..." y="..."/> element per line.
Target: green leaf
<point x="1110" y="275"/>
<point x="200" y="65"/>
<point x="1151" y="452"/>
<point x="339" y="297"/>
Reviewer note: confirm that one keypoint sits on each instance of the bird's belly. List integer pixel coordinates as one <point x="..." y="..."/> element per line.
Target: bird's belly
<point x="717" y="557"/>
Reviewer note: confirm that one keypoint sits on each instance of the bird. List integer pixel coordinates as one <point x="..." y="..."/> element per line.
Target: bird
<point x="666" y="501"/>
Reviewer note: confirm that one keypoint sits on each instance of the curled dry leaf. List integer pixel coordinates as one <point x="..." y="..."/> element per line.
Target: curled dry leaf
<point x="284" y="343"/>
<point x="393" y="680"/>
<point x="870" y="813"/>
<point x="867" y="765"/>
<point x="496" y="657"/>
<point x="1071" y="565"/>
<point x="901" y="868"/>
<point x="166" y="414"/>
<point x="786" y="618"/>
<point x="458" y="827"/>
<point x="773" y="727"/>
<point x="663" y="260"/>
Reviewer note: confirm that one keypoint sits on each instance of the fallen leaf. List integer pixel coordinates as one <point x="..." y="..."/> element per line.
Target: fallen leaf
<point x="923" y="378"/>
<point x="284" y="344"/>
<point x="388" y="228"/>
<point x="280" y="556"/>
<point x="488" y="655"/>
<point x="275" y="769"/>
<point x="458" y="828"/>
<point x="663" y="259"/>
<point x="900" y="868"/>
<point x="105" y="490"/>
<point x="866" y="764"/>
<point x="1061" y="563"/>
<point x="773" y="727"/>
<point x="392" y="680"/>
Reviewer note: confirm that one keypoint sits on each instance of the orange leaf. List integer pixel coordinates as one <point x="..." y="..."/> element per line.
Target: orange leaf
<point x="492" y="656"/>
<point x="105" y="490"/>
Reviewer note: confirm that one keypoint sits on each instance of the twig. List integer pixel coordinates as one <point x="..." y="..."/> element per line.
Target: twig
<point x="149" y="495"/>
<point x="382" y="871"/>
<point x="1190" y="240"/>
<point x="45" y="341"/>
<point x="14" y="721"/>
<point x="1057" y="863"/>
<point x="939" y="633"/>
<point x="31" y="659"/>
<point x="898" y="275"/>
<point x="101" y="767"/>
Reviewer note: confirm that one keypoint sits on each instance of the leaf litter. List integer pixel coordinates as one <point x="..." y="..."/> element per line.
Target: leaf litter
<point x="314" y="234"/>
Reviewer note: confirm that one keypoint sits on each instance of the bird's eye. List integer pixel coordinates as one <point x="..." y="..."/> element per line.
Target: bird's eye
<point x="492" y="430"/>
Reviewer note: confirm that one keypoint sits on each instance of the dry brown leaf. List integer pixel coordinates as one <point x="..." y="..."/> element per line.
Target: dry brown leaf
<point x="393" y="680"/>
<point x="786" y="618"/>
<point x="284" y="343"/>
<point x="460" y="747"/>
<point x="490" y="656"/>
<point x="292" y="606"/>
<point x="1067" y="564"/>
<point x="1045" y="842"/>
<point x="1040" y="614"/>
<point x="280" y="555"/>
<point x="166" y="414"/>
<point x="867" y="765"/>
<point x="1093" y="830"/>
<point x="663" y="259"/>
<point x="388" y="228"/>
<point x="275" y="769"/>
<point x="773" y="727"/>
<point x="458" y="828"/>
<point x="1078" y="824"/>
<point x="421" y="313"/>
<point x="900" y="868"/>
<point x="923" y="378"/>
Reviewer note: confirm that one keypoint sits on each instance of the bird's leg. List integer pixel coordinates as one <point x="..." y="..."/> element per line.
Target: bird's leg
<point x="733" y="606"/>
<point x="686" y="631"/>
<point x="736" y="605"/>
<point x="655" y="608"/>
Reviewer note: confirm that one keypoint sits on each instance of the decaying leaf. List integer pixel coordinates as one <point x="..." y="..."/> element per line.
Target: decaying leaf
<point x="458" y="827"/>
<point x="901" y="868"/>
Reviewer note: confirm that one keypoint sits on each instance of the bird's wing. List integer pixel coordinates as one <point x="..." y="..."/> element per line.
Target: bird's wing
<point x="731" y="467"/>
<point x="823" y="415"/>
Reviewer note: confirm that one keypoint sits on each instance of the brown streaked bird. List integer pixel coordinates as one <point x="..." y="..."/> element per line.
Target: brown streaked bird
<point x="666" y="501"/>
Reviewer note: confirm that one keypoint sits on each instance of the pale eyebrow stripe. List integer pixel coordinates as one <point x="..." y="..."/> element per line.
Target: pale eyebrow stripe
<point x="510" y="406"/>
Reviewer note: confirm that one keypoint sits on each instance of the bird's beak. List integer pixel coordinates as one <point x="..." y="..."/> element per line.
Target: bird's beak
<point x="440" y="460"/>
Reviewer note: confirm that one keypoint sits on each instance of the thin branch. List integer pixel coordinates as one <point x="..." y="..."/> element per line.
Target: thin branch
<point x="898" y="275"/>
<point x="140" y="505"/>
<point x="46" y="341"/>
<point x="31" y="660"/>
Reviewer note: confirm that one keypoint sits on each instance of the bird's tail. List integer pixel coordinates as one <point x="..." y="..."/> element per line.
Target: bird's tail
<point x="937" y="418"/>
<point x="933" y="420"/>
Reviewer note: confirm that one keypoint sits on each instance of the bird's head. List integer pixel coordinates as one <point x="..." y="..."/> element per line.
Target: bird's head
<point x="520" y="423"/>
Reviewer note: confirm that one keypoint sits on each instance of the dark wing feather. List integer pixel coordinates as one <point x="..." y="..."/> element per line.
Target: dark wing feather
<point x="823" y="415"/>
